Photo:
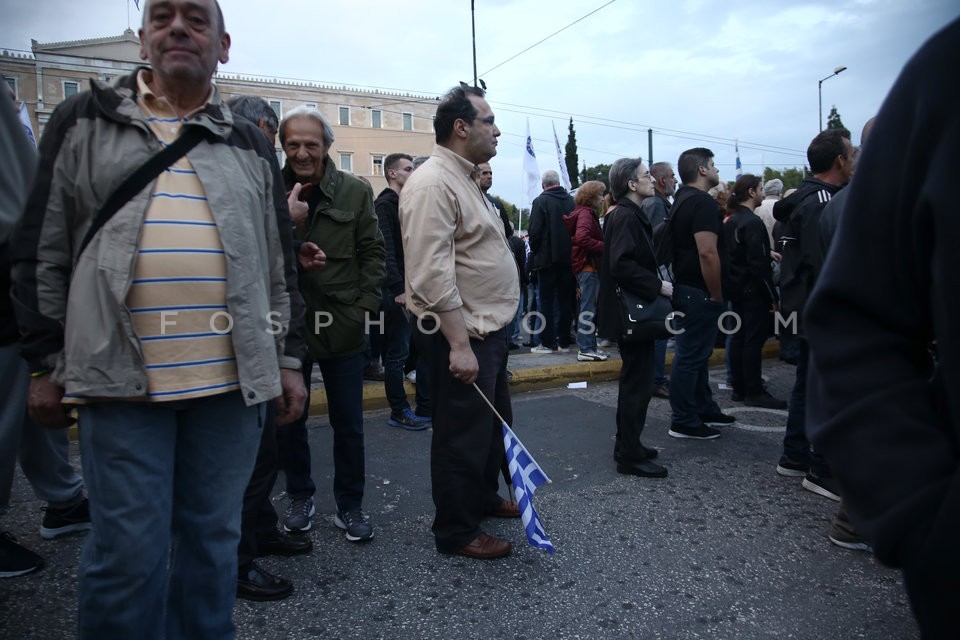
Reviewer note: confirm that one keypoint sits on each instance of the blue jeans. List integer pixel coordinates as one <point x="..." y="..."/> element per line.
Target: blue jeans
<point x="690" y="395"/>
<point x="166" y="483"/>
<point x="659" y="363"/>
<point x="43" y="453"/>
<point x="343" y="381"/>
<point x="396" y="348"/>
<point x="589" y="283"/>
<point x="513" y="329"/>
<point x="796" y="444"/>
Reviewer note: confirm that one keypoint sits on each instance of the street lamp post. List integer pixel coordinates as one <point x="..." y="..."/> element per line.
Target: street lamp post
<point x="820" y="91"/>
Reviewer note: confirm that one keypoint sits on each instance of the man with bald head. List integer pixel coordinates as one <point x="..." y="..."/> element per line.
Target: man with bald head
<point x="165" y="324"/>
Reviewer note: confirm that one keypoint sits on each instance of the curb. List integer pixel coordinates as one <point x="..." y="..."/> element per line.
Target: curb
<point x="528" y="379"/>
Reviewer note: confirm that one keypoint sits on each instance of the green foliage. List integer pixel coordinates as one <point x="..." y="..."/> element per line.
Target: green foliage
<point x="791" y="176"/>
<point x="833" y="120"/>
<point x="600" y="172"/>
<point x="512" y="212"/>
<point x="570" y="155"/>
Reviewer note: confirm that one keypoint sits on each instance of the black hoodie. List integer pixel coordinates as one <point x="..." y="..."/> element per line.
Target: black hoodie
<point x="549" y="239"/>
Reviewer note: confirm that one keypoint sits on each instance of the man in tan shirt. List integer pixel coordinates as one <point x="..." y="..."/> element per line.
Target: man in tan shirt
<point x="461" y="282"/>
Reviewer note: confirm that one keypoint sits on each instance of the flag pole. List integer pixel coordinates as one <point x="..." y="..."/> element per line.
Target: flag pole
<point x="504" y="467"/>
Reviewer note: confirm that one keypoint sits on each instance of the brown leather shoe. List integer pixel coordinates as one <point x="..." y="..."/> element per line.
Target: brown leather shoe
<point x="507" y="509"/>
<point x="486" y="547"/>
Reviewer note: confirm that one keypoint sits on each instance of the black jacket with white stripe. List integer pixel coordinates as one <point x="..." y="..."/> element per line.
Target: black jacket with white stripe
<point x="800" y="243"/>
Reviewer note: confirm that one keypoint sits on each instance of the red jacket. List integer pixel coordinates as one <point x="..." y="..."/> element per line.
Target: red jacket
<point x="584" y="228"/>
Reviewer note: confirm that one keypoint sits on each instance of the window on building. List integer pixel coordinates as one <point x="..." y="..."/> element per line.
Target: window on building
<point x="70" y="88"/>
<point x="12" y="83"/>
<point x="378" y="165"/>
<point x="408" y="122"/>
<point x="376" y="119"/>
<point x="346" y="162"/>
<point x="345" y="116"/>
<point x="277" y="108"/>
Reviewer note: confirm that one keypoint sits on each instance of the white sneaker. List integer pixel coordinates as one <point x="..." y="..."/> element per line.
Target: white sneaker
<point x="540" y="349"/>
<point x="411" y="377"/>
<point x="592" y="356"/>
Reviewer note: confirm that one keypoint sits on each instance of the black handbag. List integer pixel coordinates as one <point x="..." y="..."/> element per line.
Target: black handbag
<point x="644" y="320"/>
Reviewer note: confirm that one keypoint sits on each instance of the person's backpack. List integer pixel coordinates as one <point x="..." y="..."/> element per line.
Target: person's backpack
<point x="663" y="239"/>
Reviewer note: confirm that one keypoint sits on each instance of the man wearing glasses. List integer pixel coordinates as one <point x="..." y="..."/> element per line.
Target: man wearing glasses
<point x="462" y="284"/>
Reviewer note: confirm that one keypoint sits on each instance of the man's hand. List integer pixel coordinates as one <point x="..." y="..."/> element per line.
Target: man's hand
<point x="400" y="299"/>
<point x="289" y="405"/>
<point x="776" y="257"/>
<point x="666" y="288"/>
<point x="298" y="209"/>
<point x="463" y="364"/>
<point x="44" y="404"/>
<point x="311" y="257"/>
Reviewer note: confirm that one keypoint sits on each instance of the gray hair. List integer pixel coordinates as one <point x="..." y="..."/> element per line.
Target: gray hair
<point x="622" y="171"/>
<point x="550" y="178"/>
<point x="253" y="108"/>
<point x="304" y="111"/>
<point x="773" y="187"/>
<point x="660" y="169"/>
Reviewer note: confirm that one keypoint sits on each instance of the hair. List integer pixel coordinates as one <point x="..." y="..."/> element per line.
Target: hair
<point x="741" y="187"/>
<point x="221" y="24"/>
<point x="419" y="160"/>
<point x="455" y="105"/>
<point x="690" y="161"/>
<point x="660" y="170"/>
<point x="253" y="108"/>
<point x="304" y="111"/>
<point x="550" y="178"/>
<point x="392" y="161"/>
<point x="623" y="171"/>
<point x="588" y="192"/>
<point x="773" y="187"/>
<point x="825" y="148"/>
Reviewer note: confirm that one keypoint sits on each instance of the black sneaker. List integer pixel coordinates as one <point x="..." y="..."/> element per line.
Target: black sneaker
<point x="57" y="522"/>
<point x="16" y="559"/>
<point x="736" y="396"/>
<point x="822" y="486"/>
<point x="297" y="517"/>
<point x="717" y="419"/>
<point x="703" y="432"/>
<point x="844" y="535"/>
<point x="257" y="584"/>
<point x="355" y="524"/>
<point x="765" y="401"/>
<point x="792" y="468"/>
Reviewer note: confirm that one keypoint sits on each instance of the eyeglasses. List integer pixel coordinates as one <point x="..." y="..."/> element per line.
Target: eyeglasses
<point x="488" y="119"/>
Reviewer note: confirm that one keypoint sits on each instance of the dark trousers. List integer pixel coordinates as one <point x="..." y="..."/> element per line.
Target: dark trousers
<point x="690" y="395"/>
<point x="796" y="444"/>
<point x="633" y="398"/>
<point x="258" y="520"/>
<point x="395" y="341"/>
<point x="558" y="289"/>
<point x="421" y="342"/>
<point x="746" y="345"/>
<point x="293" y="448"/>
<point x="466" y="453"/>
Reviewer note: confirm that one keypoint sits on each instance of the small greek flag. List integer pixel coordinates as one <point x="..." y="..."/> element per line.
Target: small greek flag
<point x="526" y="476"/>
<point x="736" y="145"/>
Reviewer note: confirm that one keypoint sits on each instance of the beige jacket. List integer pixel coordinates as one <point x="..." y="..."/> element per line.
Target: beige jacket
<point x="455" y="252"/>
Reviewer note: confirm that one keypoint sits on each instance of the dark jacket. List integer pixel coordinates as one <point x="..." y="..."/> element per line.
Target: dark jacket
<point x="800" y="242"/>
<point x="628" y="261"/>
<point x="586" y="238"/>
<point x="885" y="418"/>
<point x="387" y="206"/>
<point x="656" y="208"/>
<point x="749" y="275"/>
<point x="549" y="240"/>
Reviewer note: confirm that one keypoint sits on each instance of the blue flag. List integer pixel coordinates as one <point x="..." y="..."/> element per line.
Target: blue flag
<point x="526" y="476"/>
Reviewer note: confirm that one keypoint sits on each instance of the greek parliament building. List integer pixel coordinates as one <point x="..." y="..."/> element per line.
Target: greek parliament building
<point x="368" y="124"/>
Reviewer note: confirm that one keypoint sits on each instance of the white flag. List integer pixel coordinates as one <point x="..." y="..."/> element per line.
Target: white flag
<point x="531" y="172"/>
<point x="27" y="125"/>
<point x="564" y="176"/>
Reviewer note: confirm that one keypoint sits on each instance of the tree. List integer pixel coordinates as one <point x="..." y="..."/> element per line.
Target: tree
<point x="791" y="177"/>
<point x="600" y="172"/>
<point x="833" y="120"/>
<point x="570" y="155"/>
<point x="512" y="212"/>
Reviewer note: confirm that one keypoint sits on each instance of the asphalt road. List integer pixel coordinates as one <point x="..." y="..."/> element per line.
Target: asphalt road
<point x="722" y="548"/>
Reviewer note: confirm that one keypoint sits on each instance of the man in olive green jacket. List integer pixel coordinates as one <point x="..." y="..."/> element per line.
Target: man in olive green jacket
<point x="334" y="211"/>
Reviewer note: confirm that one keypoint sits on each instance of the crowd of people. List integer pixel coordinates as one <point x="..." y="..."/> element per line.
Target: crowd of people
<point x="178" y="313"/>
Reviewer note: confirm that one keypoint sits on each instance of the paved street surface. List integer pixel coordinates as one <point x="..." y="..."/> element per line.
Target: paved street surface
<point x="722" y="548"/>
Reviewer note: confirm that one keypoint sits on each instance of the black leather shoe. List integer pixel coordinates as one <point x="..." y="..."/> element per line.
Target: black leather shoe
<point x="650" y="451"/>
<point x="280" y="544"/>
<point x="643" y="468"/>
<point x="253" y="583"/>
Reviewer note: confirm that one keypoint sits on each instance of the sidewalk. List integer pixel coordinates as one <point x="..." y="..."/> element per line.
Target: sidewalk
<point x="531" y="372"/>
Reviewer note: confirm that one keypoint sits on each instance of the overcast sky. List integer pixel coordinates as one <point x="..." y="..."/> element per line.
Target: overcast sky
<point x="699" y="73"/>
